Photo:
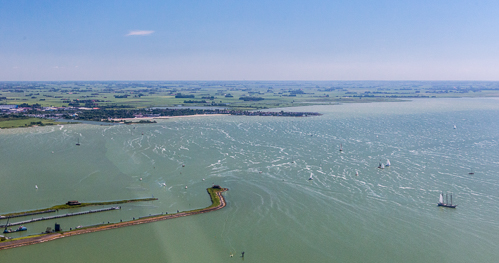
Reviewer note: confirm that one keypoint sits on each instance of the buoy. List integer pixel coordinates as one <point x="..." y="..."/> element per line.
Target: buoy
<point x="203" y="179"/>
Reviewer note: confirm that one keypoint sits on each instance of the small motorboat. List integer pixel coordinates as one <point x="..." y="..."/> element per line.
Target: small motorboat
<point x="21" y="228"/>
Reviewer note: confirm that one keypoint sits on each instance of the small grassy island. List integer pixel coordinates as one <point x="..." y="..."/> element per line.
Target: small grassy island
<point x="217" y="202"/>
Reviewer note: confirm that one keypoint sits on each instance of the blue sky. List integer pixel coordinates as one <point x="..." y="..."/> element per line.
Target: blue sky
<point x="249" y="40"/>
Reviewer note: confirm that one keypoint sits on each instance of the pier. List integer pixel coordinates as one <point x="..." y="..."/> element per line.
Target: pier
<point x="60" y="216"/>
<point x="72" y="204"/>
<point x="29" y="214"/>
<point x="217" y="199"/>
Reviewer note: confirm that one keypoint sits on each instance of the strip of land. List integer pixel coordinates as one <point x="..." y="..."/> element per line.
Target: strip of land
<point x="217" y="199"/>
<point x="60" y="216"/>
<point x="67" y="206"/>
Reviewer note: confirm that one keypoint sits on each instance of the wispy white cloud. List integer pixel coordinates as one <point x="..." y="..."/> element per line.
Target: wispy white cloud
<point x="140" y="33"/>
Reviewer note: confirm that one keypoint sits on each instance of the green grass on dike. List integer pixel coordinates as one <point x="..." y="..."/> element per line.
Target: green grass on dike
<point x="65" y="206"/>
<point x="7" y="123"/>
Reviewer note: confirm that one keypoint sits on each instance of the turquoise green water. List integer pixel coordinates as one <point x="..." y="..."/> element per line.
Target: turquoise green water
<point x="274" y="213"/>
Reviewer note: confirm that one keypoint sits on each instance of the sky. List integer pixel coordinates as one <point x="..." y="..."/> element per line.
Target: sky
<point x="249" y="40"/>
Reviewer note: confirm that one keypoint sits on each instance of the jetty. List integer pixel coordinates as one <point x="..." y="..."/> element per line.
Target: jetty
<point x="61" y="216"/>
<point x="217" y="199"/>
<point x="29" y="214"/>
<point x="73" y="204"/>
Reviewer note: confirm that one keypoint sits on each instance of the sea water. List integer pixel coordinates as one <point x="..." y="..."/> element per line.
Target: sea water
<point x="273" y="213"/>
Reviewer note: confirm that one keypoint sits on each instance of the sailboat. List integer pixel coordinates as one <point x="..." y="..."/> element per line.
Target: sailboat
<point x="381" y="166"/>
<point x="387" y="163"/>
<point x="455" y="127"/>
<point x="471" y="172"/>
<point x="78" y="143"/>
<point x="446" y="204"/>
<point x="311" y="176"/>
<point x="341" y="147"/>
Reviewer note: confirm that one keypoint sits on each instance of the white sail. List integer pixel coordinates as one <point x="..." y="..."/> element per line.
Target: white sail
<point x="441" y="200"/>
<point x="311" y="177"/>
<point x="388" y="162"/>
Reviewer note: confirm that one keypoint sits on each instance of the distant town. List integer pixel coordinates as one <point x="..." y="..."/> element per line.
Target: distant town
<point x="24" y="104"/>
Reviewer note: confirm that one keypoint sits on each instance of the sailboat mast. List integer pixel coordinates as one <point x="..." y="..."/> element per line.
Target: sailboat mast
<point x="446" y="198"/>
<point x="450" y="199"/>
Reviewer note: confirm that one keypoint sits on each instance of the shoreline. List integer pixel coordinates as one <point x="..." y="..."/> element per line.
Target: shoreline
<point x="168" y="117"/>
<point x="217" y="199"/>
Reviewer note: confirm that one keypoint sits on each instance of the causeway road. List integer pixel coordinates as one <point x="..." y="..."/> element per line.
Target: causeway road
<point x="53" y="236"/>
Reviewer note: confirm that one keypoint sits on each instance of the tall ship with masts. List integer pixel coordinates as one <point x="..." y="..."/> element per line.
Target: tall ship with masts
<point x="446" y="204"/>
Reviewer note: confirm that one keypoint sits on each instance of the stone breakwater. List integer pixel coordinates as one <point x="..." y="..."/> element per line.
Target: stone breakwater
<point x="53" y="236"/>
<point x="61" y="216"/>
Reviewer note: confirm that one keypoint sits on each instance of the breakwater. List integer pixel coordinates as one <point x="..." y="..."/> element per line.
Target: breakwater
<point x="29" y="214"/>
<point x="67" y="206"/>
<point x="60" y="216"/>
<point x="217" y="199"/>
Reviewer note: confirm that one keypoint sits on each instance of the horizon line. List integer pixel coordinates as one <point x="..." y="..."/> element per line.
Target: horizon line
<point x="247" y="80"/>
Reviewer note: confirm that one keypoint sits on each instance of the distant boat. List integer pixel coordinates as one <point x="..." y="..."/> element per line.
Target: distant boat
<point x="455" y="127"/>
<point x="36" y="186"/>
<point x="356" y="173"/>
<point x="446" y="204"/>
<point x="381" y="166"/>
<point x="341" y="147"/>
<point x="387" y="163"/>
<point x="311" y="177"/>
<point x="78" y="143"/>
<point x="471" y="172"/>
<point x="21" y="228"/>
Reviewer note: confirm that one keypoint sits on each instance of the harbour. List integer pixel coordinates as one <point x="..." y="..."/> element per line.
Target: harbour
<point x="218" y="202"/>
<point x="60" y="216"/>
